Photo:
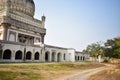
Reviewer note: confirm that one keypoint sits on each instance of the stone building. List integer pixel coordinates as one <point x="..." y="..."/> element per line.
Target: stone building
<point x="22" y="36"/>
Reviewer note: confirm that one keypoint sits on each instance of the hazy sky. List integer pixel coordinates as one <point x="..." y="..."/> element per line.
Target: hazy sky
<point x="77" y="23"/>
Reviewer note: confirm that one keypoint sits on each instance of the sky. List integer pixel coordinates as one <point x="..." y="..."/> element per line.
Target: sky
<point x="78" y="23"/>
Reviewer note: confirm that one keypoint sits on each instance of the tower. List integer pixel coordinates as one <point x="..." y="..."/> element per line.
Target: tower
<point x="17" y="22"/>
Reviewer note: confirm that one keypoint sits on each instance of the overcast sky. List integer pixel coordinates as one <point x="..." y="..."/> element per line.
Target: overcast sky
<point x="77" y="23"/>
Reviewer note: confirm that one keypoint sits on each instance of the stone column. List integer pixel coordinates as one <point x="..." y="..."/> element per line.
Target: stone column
<point x="50" y="57"/>
<point x="62" y="57"/>
<point x="1" y="51"/>
<point x="56" y="57"/>
<point x="32" y="56"/>
<point x="5" y="30"/>
<point x="13" y="56"/>
<point x="16" y="37"/>
<point x="42" y="55"/>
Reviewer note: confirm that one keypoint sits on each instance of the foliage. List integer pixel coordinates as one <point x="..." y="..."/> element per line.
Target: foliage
<point x="105" y="61"/>
<point x="110" y="49"/>
<point x="94" y="49"/>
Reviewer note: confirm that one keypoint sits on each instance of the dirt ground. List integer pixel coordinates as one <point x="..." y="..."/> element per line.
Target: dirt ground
<point x="111" y="73"/>
<point x="84" y="75"/>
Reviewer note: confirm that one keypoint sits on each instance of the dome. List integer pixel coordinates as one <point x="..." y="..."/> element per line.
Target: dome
<point x="23" y="6"/>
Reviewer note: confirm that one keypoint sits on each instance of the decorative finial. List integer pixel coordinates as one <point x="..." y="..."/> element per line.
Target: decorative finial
<point x="43" y="17"/>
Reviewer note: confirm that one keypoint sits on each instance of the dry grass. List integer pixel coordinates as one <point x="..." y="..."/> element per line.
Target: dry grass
<point x="109" y="74"/>
<point x="41" y="71"/>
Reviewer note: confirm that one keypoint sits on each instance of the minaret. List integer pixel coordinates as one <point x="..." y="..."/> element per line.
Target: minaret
<point x="43" y="26"/>
<point x="43" y="20"/>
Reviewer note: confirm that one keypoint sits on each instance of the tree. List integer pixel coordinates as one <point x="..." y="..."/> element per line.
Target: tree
<point x="109" y="45"/>
<point x="94" y="49"/>
<point x="117" y="48"/>
<point x="112" y="48"/>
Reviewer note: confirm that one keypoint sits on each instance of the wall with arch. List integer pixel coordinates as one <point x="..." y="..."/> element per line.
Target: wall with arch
<point x="20" y="53"/>
<point x="58" y="54"/>
<point x="27" y="53"/>
<point x="55" y="54"/>
<point x="80" y="56"/>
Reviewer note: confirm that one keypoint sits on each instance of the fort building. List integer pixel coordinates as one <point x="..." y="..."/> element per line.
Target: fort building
<point x="22" y="36"/>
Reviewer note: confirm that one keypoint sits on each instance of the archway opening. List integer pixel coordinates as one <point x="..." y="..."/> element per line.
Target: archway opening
<point x="83" y="58"/>
<point x="7" y="54"/>
<point x="28" y="55"/>
<point x="59" y="57"/>
<point x="64" y="57"/>
<point x="47" y="56"/>
<point x="18" y="55"/>
<point x="78" y="58"/>
<point x="36" y="56"/>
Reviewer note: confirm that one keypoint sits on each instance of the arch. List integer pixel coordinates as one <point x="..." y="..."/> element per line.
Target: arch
<point x="64" y="56"/>
<point x="7" y="54"/>
<point x="53" y="56"/>
<point x="28" y="55"/>
<point x="36" y="56"/>
<point x="59" y="56"/>
<point x="81" y="58"/>
<point x="78" y="58"/>
<point x="47" y="56"/>
<point x="18" y="55"/>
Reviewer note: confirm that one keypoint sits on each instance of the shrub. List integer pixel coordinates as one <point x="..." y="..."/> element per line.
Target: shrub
<point x="105" y="61"/>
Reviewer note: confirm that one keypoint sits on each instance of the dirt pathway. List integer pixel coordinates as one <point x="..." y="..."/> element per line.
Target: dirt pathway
<point x="84" y="75"/>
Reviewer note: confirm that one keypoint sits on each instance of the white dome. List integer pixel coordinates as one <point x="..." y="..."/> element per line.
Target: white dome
<point x="23" y="6"/>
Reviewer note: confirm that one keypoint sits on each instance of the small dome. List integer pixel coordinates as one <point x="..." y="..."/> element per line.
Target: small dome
<point x="23" y="6"/>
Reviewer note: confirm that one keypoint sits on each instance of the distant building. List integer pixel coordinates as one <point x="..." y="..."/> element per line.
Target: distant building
<point x="22" y="36"/>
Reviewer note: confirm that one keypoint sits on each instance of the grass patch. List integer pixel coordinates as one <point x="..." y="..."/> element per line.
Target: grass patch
<point x="4" y="75"/>
<point x="9" y="75"/>
<point x="41" y="71"/>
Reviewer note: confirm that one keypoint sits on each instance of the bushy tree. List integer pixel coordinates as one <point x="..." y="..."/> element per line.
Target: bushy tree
<point x="94" y="49"/>
<point x="110" y="49"/>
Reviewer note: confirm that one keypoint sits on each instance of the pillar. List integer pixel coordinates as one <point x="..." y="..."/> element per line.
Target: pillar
<point x="56" y="57"/>
<point x="50" y="57"/>
<point x="32" y="56"/>
<point x="13" y="55"/>
<point x="62" y="57"/>
<point x="1" y="51"/>
<point x="5" y="30"/>
<point x="16" y="37"/>
<point x="42" y="55"/>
